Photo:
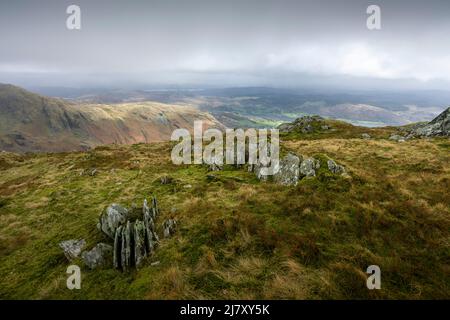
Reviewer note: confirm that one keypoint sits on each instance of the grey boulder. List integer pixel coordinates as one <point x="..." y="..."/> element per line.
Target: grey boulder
<point x="288" y="171"/>
<point x="99" y="256"/>
<point x="72" y="248"/>
<point x="335" y="168"/>
<point x="111" y="219"/>
<point x="308" y="167"/>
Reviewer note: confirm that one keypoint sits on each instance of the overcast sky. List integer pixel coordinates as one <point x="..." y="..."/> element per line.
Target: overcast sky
<point x="226" y="43"/>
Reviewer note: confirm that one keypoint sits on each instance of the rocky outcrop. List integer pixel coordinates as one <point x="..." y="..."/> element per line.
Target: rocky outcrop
<point x="439" y="126"/>
<point x="292" y="168"/>
<point x="72" y="248"/>
<point x="111" y="218"/>
<point x="365" y="136"/>
<point x="134" y="238"/>
<point x="99" y="256"/>
<point x="305" y="124"/>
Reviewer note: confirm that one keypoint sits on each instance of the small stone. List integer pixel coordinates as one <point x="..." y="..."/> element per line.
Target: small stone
<point x="72" y="248"/>
<point x="166" y="180"/>
<point x="169" y="227"/>
<point x="154" y="263"/>
<point x="335" y="168"/>
<point x="307" y="167"/>
<point x="365" y="136"/>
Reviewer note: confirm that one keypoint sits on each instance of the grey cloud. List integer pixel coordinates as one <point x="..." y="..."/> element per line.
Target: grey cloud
<point x="244" y="42"/>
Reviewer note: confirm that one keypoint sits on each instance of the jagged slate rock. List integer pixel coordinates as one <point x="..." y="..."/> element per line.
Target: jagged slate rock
<point x="111" y="218"/>
<point x="149" y="243"/>
<point x="72" y="248"/>
<point x="117" y="257"/>
<point x="365" y="136"/>
<point x="126" y="247"/>
<point x="288" y="172"/>
<point x="140" y="251"/>
<point x="148" y="218"/>
<point x="169" y="227"/>
<point x="155" y="238"/>
<point x="155" y="209"/>
<point x="307" y="167"/>
<point x="100" y="255"/>
<point x="145" y="207"/>
<point x="439" y="126"/>
<point x="334" y="167"/>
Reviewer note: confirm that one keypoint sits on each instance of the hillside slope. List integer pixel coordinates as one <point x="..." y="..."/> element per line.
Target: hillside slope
<point x="237" y="237"/>
<point x="30" y="122"/>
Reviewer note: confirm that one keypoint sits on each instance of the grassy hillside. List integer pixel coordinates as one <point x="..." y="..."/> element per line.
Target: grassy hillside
<point x="30" y="122"/>
<point x="237" y="237"/>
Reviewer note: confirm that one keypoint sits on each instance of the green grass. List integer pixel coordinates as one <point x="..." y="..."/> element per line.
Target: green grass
<point x="237" y="237"/>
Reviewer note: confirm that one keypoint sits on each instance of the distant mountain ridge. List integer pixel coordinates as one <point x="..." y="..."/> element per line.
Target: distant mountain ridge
<point x="31" y="122"/>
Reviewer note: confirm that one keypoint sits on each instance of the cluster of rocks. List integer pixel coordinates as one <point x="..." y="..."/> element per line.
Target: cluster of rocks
<point x="293" y="168"/>
<point x="305" y="124"/>
<point x="133" y="240"/>
<point x="100" y="255"/>
<point x="133" y="235"/>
